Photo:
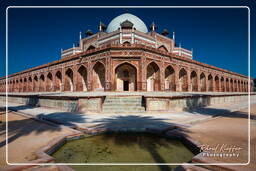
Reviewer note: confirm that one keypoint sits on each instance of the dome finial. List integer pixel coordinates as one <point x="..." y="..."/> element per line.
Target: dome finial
<point x="88" y="32"/>
<point x="80" y="35"/>
<point x="153" y="27"/>
<point x="165" y="32"/>
<point x="102" y="26"/>
<point x="126" y="24"/>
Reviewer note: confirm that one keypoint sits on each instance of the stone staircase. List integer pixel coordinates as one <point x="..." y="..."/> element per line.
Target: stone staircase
<point x="123" y="104"/>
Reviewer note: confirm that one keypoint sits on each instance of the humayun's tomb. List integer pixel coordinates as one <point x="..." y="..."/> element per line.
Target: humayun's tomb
<point x="125" y="56"/>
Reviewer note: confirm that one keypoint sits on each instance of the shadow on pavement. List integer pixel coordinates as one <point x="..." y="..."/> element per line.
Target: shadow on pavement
<point x="26" y="126"/>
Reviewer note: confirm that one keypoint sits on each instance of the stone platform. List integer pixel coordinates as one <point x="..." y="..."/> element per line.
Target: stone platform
<point x="124" y="102"/>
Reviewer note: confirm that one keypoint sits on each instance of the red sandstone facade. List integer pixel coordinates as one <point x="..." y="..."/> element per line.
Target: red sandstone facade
<point x="126" y="60"/>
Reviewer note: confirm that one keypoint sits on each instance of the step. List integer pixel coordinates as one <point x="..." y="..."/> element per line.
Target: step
<point x="124" y="97"/>
<point x="123" y="111"/>
<point x="122" y="100"/>
<point x="118" y="104"/>
<point x="123" y="108"/>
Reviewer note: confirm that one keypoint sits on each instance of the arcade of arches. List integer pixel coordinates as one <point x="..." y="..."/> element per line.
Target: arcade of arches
<point x="126" y="76"/>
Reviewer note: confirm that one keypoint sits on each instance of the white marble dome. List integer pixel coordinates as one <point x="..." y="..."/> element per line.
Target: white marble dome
<point x="137" y="23"/>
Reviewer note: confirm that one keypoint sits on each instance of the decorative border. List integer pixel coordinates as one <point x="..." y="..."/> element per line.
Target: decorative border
<point x="249" y="85"/>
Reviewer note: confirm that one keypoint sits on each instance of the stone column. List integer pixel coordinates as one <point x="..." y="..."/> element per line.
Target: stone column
<point x="89" y="76"/>
<point x="108" y="74"/>
<point x="229" y="84"/>
<point x="189" y="80"/>
<point x="63" y="79"/>
<point x="44" y="83"/>
<point x="214" y="85"/>
<point x="177" y="82"/>
<point x="53" y="80"/>
<point x="162" y="75"/>
<point x="143" y="74"/>
<point x="206" y="82"/>
<point x="74" y="68"/>
<point x="198" y="81"/>
<point x="220" y="87"/>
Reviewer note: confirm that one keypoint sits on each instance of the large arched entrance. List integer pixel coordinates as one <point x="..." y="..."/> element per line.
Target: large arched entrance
<point x="169" y="81"/>
<point x="153" y="77"/>
<point x="82" y="79"/>
<point x="126" y="77"/>
<point x="98" y="77"/>
<point x="69" y="80"/>
<point x="183" y="80"/>
<point x="202" y="82"/>
<point x="193" y="78"/>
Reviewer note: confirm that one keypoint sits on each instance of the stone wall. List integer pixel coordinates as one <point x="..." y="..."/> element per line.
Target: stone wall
<point x="189" y="102"/>
<point x="68" y="104"/>
<point x="151" y="103"/>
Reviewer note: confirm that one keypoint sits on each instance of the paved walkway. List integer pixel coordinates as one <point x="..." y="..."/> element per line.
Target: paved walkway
<point x="25" y="136"/>
<point x="230" y="131"/>
<point x="202" y="124"/>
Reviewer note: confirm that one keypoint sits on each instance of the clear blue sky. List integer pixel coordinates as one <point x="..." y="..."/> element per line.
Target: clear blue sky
<point x="217" y="36"/>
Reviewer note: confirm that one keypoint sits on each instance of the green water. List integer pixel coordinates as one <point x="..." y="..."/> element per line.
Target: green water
<point x="123" y="148"/>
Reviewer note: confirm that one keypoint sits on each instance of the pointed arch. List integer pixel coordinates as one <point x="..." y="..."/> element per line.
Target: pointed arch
<point x="202" y="82"/>
<point x="58" y="81"/>
<point x="49" y="82"/>
<point x="153" y="77"/>
<point x="222" y="84"/>
<point x="217" y="83"/>
<point x="227" y="85"/>
<point x="30" y="84"/>
<point x="91" y="47"/>
<point x="69" y="80"/>
<point x="126" y="77"/>
<point x="210" y="82"/>
<point x="169" y="76"/>
<point x="238" y="86"/>
<point x="193" y="79"/>
<point x="235" y="85"/>
<point x="162" y="48"/>
<point x="126" y="43"/>
<point x="98" y="81"/>
<point x="81" y="79"/>
<point x="25" y="85"/>
<point x="41" y="83"/>
<point x="21" y="85"/>
<point x="35" y="84"/>
<point x="231" y="85"/>
<point x="183" y="79"/>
